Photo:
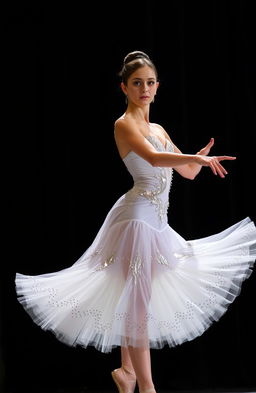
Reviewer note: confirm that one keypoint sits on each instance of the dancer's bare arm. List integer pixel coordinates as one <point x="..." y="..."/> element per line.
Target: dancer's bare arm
<point x="127" y="133"/>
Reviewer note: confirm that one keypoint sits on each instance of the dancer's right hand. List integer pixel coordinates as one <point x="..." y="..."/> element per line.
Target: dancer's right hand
<point x="214" y="163"/>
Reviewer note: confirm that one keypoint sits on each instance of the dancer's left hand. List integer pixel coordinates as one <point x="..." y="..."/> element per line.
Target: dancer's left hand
<point x="206" y="150"/>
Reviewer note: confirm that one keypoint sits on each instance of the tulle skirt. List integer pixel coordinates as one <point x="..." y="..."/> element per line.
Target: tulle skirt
<point x="139" y="286"/>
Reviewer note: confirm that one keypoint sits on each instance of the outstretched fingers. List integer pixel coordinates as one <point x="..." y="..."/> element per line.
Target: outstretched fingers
<point x="221" y="170"/>
<point x="222" y="158"/>
<point x="216" y="166"/>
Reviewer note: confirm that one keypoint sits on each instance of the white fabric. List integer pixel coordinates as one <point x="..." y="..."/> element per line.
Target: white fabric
<point x="140" y="283"/>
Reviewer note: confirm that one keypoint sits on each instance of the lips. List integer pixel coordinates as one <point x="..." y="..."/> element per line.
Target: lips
<point x="143" y="97"/>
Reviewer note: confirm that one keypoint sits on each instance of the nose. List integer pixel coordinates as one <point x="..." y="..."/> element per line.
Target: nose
<point x="145" y="87"/>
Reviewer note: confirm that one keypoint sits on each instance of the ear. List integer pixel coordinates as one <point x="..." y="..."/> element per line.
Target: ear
<point x="123" y="87"/>
<point x="157" y="85"/>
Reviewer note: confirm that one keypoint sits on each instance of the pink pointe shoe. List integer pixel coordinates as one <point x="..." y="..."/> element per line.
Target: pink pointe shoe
<point x="124" y="379"/>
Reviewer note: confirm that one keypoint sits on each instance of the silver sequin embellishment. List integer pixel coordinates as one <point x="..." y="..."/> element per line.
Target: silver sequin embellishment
<point x="161" y="260"/>
<point x="106" y="263"/>
<point x="135" y="266"/>
<point x="153" y="195"/>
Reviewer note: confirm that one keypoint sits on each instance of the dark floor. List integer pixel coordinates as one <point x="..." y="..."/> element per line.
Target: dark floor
<point x="114" y="390"/>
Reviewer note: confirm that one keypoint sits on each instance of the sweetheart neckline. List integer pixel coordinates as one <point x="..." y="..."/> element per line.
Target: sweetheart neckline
<point x="158" y="140"/>
<point x="148" y="137"/>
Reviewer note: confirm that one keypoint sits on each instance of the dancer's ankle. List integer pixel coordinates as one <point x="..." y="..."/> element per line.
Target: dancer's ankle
<point x="146" y="388"/>
<point x="129" y="370"/>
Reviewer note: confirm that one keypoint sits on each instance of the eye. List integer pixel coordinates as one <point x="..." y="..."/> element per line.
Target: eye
<point x="136" y="83"/>
<point x="151" y="83"/>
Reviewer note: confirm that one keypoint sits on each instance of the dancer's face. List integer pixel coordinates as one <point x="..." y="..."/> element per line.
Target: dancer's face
<point x="141" y="86"/>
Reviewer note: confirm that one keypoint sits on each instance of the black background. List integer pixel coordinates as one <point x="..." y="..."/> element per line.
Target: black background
<point x="62" y="172"/>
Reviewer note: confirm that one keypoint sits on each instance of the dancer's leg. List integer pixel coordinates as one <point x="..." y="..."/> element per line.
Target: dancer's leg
<point x="126" y="360"/>
<point x="141" y="361"/>
<point x="125" y="377"/>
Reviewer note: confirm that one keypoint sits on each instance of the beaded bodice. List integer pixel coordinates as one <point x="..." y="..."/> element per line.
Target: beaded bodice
<point x="151" y="184"/>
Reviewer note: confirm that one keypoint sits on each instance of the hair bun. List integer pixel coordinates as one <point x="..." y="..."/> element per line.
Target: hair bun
<point x="135" y="55"/>
<point x="132" y="62"/>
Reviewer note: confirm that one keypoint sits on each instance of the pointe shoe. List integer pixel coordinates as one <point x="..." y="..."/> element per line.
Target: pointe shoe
<point x="123" y="380"/>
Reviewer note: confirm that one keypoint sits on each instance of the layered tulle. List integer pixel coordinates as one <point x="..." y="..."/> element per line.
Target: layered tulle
<point x="123" y="293"/>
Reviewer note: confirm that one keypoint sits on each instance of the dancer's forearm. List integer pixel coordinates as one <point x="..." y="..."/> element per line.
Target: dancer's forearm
<point x="166" y="159"/>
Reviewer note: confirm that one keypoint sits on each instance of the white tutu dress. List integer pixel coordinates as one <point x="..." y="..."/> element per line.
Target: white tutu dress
<point x="140" y="283"/>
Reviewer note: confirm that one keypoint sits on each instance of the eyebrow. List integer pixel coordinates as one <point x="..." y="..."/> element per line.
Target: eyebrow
<point x="147" y="78"/>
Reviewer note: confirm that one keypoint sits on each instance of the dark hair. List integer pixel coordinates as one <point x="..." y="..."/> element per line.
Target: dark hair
<point x="132" y="62"/>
